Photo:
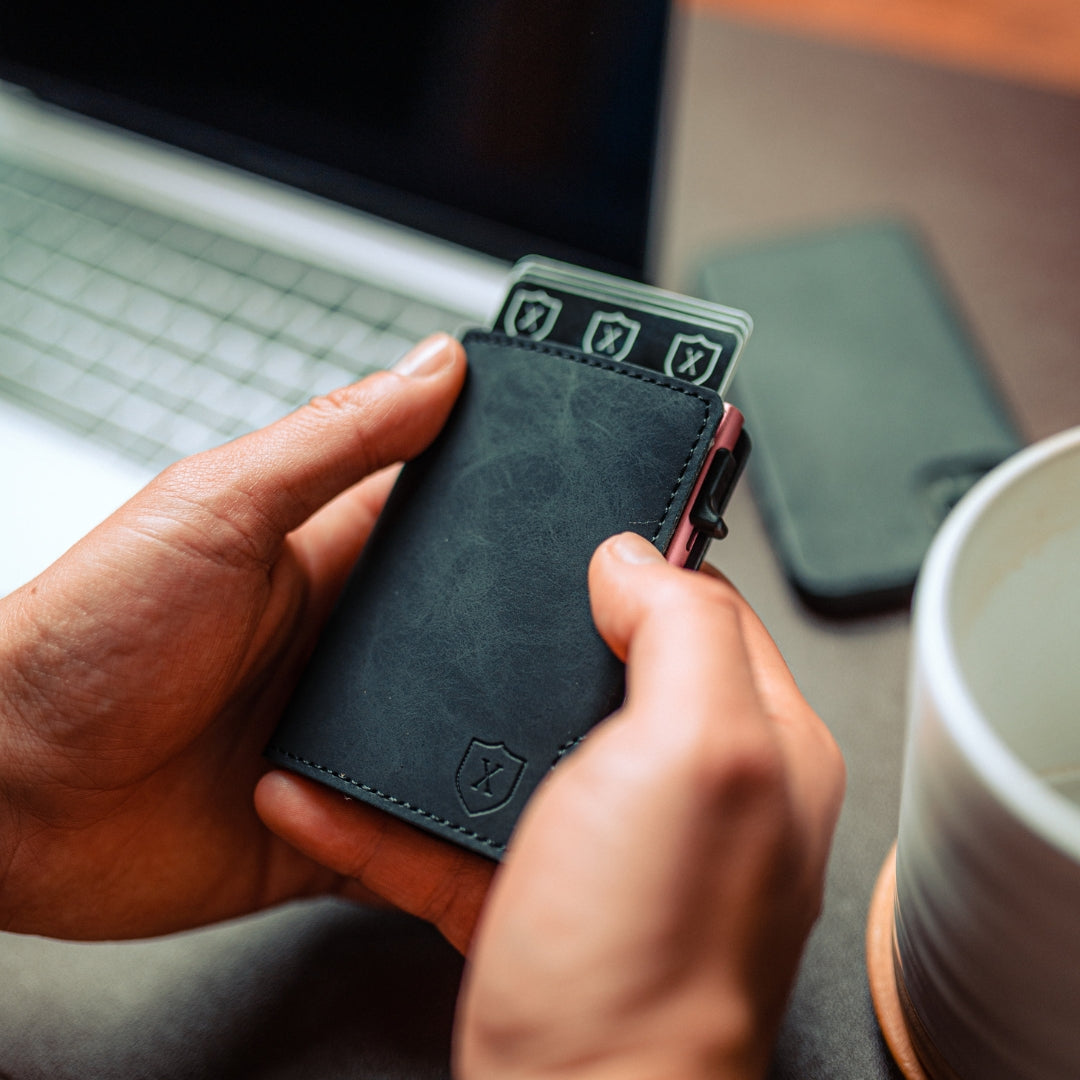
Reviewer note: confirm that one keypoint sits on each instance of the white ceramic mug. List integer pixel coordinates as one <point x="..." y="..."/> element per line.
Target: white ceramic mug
<point x="987" y="909"/>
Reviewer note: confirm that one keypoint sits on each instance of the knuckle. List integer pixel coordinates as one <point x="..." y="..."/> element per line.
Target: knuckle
<point x="827" y="758"/>
<point x="741" y="778"/>
<point x="685" y="595"/>
<point x="199" y="508"/>
<point x="836" y="766"/>
<point x="331" y="405"/>
<point x="363" y="409"/>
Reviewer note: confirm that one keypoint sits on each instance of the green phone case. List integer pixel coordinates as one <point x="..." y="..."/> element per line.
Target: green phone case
<point x="870" y="406"/>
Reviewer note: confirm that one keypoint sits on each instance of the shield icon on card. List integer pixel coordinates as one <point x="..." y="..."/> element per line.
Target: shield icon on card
<point x="531" y="313"/>
<point x="692" y="357"/>
<point x="610" y="334"/>
<point x="487" y="777"/>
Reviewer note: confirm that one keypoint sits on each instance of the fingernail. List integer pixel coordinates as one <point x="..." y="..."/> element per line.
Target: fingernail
<point x="430" y="356"/>
<point x="631" y="548"/>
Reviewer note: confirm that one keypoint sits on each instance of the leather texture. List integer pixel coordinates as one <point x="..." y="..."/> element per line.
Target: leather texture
<point x="462" y="662"/>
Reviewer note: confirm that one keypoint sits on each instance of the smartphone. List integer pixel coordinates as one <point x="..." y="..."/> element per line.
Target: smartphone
<point x="871" y="405"/>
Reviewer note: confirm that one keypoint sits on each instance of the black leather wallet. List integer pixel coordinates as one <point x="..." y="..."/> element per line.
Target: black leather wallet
<point x="461" y="662"/>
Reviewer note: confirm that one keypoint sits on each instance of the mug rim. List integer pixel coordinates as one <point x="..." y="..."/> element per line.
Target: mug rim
<point x="1018" y="787"/>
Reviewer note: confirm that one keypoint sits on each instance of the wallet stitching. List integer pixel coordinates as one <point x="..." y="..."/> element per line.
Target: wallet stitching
<point x="390" y="798"/>
<point x="644" y="376"/>
<point x="566" y="748"/>
<point x="593" y="361"/>
<point x="682" y="473"/>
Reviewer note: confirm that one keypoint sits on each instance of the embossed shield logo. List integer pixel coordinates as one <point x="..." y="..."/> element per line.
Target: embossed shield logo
<point x="692" y="357"/>
<point x="610" y="334"/>
<point x="531" y="314"/>
<point x="487" y="777"/>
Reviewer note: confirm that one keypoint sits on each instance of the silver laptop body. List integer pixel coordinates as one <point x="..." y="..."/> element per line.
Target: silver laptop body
<point x="183" y="259"/>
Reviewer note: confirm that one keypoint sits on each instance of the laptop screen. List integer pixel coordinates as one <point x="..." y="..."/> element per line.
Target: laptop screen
<point x="504" y="125"/>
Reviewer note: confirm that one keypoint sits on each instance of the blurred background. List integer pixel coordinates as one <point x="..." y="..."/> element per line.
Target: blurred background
<point x="1034" y="41"/>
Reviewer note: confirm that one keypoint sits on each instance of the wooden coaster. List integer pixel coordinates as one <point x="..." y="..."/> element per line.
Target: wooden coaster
<point x="882" y="974"/>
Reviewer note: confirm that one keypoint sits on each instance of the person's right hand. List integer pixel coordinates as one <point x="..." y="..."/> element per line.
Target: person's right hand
<point x="651" y="911"/>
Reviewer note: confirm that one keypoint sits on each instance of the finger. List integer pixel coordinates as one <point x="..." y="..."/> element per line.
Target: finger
<point x="817" y="774"/>
<point x="266" y="484"/>
<point x="415" y="872"/>
<point x="697" y="655"/>
<point x="328" y="543"/>
<point x="679" y="633"/>
<point x="775" y="682"/>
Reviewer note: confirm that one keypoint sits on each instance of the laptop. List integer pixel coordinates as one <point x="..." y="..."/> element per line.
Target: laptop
<point x="210" y="213"/>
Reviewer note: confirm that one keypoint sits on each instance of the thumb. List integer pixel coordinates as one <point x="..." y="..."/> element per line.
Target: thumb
<point x="266" y="484"/>
<point x="619" y="572"/>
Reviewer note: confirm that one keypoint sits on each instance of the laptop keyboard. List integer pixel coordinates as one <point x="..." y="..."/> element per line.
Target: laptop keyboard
<point x="160" y="338"/>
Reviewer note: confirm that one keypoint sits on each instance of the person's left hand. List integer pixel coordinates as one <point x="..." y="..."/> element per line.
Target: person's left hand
<point x="141" y="675"/>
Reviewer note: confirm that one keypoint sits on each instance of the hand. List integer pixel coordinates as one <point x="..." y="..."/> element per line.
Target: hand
<point x="650" y="913"/>
<point x="141" y="675"/>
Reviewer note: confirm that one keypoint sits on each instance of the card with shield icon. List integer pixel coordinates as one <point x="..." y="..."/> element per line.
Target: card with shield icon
<point x="691" y="340"/>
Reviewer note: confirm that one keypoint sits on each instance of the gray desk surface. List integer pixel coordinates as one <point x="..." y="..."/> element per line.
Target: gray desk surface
<point x="770" y="133"/>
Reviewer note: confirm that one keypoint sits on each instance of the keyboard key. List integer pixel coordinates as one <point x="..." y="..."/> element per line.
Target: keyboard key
<point x="305" y="316"/>
<point x="208" y="387"/>
<point x="218" y="290"/>
<point x="283" y="364"/>
<point x="148" y="224"/>
<point x="277" y="270"/>
<point x="324" y="287"/>
<point x="327" y="377"/>
<point x="27" y="180"/>
<point x="192" y="330"/>
<point x="173" y="273"/>
<point x="251" y="407"/>
<point x="148" y="311"/>
<point x="85" y="339"/>
<point x="352" y="345"/>
<point x="96" y="395"/>
<point x="268" y="309"/>
<point x="291" y="397"/>
<point x="63" y="278"/>
<point x="231" y="254"/>
<point x="187" y="436"/>
<point x="123" y="357"/>
<point x="52" y="375"/>
<point x="188" y="239"/>
<point x="385" y="350"/>
<point x="131" y="258"/>
<point x="105" y="295"/>
<point x="51" y="227"/>
<point x="320" y="334"/>
<point x="23" y="262"/>
<point x="65" y="194"/>
<point x="235" y="348"/>
<point x="12" y="303"/>
<point x="224" y="426"/>
<point x="105" y="209"/>
<point x="43" y="321"/>
<point x="91" y="242"/>
<point x="139" y="415"/>
<point x="374" y="306"/>
<point x="16" y="356"/>
<point x="17" y="210"/>
<point x="158" y="367"/>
